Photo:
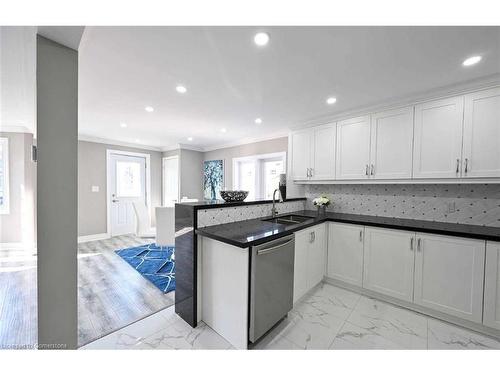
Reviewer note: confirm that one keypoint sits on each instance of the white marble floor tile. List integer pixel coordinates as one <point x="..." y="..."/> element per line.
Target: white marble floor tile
<point x="274" y="340"/>
<point x="442" y="335"/>
<point x="180" y="335"/>
<point x="352" y="337"/>
<point x="406" y="328"/>
<point x="328" y="300"/>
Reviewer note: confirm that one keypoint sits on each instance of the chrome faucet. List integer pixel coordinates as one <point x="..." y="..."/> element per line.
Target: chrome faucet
<point x="274" y="211"/>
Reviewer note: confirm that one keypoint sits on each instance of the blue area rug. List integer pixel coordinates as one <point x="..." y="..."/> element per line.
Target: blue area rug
<point x="155" y="263"/>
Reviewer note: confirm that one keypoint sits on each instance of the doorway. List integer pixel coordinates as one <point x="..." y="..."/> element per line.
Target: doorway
<point x="170" y="180"/>
<point x="128" y="180"/>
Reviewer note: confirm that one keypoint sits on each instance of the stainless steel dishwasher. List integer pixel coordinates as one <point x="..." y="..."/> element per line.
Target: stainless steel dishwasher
<point x="271" y="284"/>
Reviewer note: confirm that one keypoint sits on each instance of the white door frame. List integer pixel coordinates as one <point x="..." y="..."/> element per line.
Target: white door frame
<point x="109" y="152"/>
<point x="163" y="178"/>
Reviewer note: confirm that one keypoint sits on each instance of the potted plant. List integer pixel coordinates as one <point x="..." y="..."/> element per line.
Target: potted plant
<point x="321" y="202"/>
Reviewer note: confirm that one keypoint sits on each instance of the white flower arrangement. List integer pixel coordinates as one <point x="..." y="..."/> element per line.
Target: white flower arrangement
<point x="321" y="201"/>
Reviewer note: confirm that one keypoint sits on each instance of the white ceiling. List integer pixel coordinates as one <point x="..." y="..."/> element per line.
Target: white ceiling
<point x="231" y="81"/>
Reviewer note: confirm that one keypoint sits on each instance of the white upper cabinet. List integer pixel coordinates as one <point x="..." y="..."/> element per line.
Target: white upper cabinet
<point x="353" y="149"/>
<point x="391" y="144"/>
<point x="491" y="316"/>
<point x="323" y="163"/>
<point x="389" y="262"/>
<point x="438" y="138"/>
<point x="481" y="156"/>
<point x="301" y="154"/>
<point x="345" y="253"/>
<point x="449" y="274"/>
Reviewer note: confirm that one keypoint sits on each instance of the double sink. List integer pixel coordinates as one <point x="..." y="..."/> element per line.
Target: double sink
<point x="289" y="219"/>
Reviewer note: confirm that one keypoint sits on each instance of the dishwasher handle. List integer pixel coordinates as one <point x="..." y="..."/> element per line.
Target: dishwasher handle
<point x="273" y="248"/>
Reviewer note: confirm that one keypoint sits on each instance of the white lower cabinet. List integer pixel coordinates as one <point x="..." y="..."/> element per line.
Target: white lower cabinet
<point x="491" y="315"/>
<point x="345" y="253"/>
<point x="310" y="259"/>
<point x="389" y="261"/>
<point x="449" y="274"/>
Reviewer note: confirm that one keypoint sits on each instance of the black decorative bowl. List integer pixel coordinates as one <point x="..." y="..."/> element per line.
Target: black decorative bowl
<point x="234" y="195"/>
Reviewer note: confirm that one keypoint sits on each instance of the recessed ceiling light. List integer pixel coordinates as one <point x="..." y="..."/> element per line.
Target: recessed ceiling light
<point x="123" y="125"/>
<point x="223" y="130"/>
<point x="471" y="60"/>
<point x="331" y="100"/>
<point x="261" y="39"/>
<point x="181" y="89"/>
<point x="258" y="121"/>
<point x="149" y="109"/>
<point x="190" y="139"/>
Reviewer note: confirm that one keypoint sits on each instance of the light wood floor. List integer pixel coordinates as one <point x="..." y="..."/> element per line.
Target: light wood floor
<point x="111" y="294"/>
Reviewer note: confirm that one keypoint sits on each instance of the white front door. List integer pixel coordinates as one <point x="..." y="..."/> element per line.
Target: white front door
<point x="127" y="180"/>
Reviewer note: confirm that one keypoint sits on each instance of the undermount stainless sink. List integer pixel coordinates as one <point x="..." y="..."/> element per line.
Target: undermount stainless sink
<point x="289" y="219"/>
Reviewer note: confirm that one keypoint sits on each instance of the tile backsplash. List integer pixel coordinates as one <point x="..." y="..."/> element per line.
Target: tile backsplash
<point x="477" y="204"/>
<point x="215" y="216"/>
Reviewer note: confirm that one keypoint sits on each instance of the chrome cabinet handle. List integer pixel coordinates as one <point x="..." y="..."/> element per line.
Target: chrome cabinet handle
<point x="411" y="243"/>
<point x="458" y="166"/>
<point x="312" y="171"/>
<point x="466" y="165"/>
<point x="307" y="172"/>
<point x="372" y="170"/>
<point x="419" y="244"/>
<point x="114" y="200"/>
<point x="367" y="169"/>
<point x="274" y="248"/>
<point x="360" y="235"/>
<point x="311" y="237"/>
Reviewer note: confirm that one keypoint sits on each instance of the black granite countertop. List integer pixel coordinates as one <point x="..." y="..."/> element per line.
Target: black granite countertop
<point x="220" y="203"/>
<point x="254" y="232"/>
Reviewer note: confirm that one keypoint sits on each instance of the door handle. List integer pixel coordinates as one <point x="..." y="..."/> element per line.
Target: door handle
<point x="360" y="235"/>
<point x="114" y="200"/>
<point x="411" y="243"/>
<point x="458" y="166"/>
<point x="372" y="170"/>
<point x="419" y="245"/>
<point x="367" y="169"/>
<point x="272" y="249"/>
<point x="311" y="171"/>
<point x="466" y="165"/>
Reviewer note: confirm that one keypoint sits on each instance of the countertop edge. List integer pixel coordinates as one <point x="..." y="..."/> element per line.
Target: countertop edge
<point x="203" y="206"/>
<point x="299" y="227"/>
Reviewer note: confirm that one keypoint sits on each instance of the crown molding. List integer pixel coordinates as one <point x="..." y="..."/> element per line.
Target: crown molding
<point x="246" y="141"/>
<point x="89" y="138"/>
<point x="436" y="93"/>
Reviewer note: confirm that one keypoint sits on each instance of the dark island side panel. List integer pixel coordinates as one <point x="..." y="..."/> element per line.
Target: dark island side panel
<point x="185" y="264"/>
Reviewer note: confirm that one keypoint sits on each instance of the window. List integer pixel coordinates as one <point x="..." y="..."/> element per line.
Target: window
<point x="4" y="176"/>
<point x="259" y="174"/>
<point x="128" y="179"/>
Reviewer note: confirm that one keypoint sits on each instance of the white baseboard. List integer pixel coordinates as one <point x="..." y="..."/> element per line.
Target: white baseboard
<point x="93" y="237"/>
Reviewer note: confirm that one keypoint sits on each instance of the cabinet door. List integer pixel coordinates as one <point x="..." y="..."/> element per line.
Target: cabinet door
<point x="316" y="257"/>
<point x="345" y="253"/>
<point x="391" y="144"/>
<point x="323" y="163"/>
<point x="353" y="148"/>
<point x="482" y="134"/>
<point x="389" y="262"/>
<point x="449" y="275"/>
<point x="302" y="243"/>
<point x="437" y="147"/>
<point x="301" y="154"/>
<point x="491" y="316"/>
